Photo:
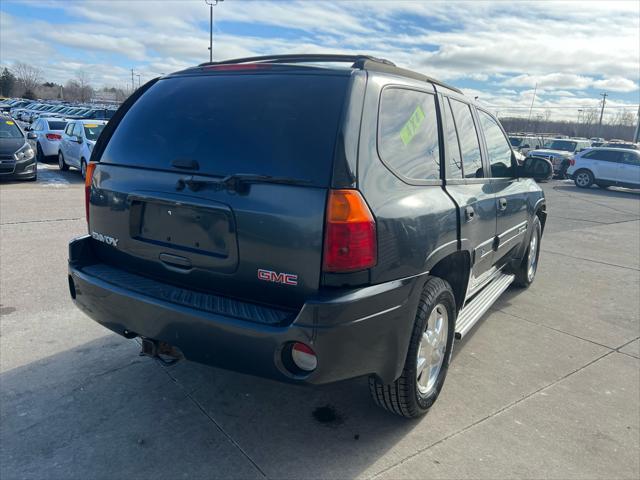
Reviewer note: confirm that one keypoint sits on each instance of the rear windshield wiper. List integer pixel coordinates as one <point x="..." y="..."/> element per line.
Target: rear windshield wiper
<point x="236" y="182"/>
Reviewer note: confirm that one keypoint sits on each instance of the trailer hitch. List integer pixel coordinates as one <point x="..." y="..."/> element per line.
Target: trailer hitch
<point x="166" y="354"/>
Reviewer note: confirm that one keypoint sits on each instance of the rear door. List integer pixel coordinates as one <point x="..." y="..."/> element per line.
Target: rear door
<point x="605" y="163"/>
<point x="469" y="188"/>
<point x="158" y="191"/>
<point x="629" y="170"/>
<point x="510" y="193"/>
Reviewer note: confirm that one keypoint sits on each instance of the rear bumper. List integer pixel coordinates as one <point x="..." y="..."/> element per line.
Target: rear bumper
<point x="357" y="332"/>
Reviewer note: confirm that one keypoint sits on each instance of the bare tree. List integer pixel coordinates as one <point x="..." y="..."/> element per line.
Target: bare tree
<point x="85" y="88"/>
<point x="27" y="76"/>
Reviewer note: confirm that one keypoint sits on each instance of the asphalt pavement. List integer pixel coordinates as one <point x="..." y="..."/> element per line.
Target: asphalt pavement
<point x="547" y="385"/>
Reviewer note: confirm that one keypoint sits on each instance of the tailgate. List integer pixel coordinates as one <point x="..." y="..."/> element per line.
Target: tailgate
<point x="264" y="245"/>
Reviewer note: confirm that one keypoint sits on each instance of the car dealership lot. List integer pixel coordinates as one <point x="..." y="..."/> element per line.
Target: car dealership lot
<point x="548" y="386"/>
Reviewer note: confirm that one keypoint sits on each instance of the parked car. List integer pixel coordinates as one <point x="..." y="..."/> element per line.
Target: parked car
<point x="6" y="107"/>
<point x="97" y="114"/>
<point x="606" y="167"/>
<point x="559" y="151"/>
<point x="78" y="139"/>
<point x="599" y="140"/>
<point x="628" y="145"/>
<point x="525" y="143"/>
<point x="297" y="224"/>
<point x="17" y="158"/>
<point x="48" y="133"/>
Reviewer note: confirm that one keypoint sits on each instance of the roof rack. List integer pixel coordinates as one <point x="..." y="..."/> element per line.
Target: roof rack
<point x="362" y="62"/>
<point x="356" y="60"/>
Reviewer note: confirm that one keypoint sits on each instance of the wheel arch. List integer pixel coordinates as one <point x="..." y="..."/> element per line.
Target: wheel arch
<point x="455" y="268"/>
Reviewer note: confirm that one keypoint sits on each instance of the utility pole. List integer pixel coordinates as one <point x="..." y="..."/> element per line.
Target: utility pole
<point x="132" y="85"/>
<point x="604" y="100"/>
<point x="211" y="3"/>
<point x="535" y="89"/>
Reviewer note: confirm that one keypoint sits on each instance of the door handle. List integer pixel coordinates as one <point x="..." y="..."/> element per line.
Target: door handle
<point x="469" y="213"/>
<point x="502" y="203"/>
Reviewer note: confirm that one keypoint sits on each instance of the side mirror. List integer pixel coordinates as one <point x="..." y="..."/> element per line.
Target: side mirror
<point x="537" y="168"/>
<point x="31" y="136"/>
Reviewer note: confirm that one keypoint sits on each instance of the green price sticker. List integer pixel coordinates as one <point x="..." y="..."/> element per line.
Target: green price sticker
<point x="411" y="127"/>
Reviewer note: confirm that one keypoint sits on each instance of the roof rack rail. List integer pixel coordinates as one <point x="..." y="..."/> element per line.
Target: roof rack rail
<point x="356" y="60"/>
<point x="362" y="62"/>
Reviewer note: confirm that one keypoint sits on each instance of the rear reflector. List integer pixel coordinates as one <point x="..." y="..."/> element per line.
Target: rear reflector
<point x="53" y="136"/>
<point x="91" y="166"/>
<point x="304" y="357"/>
<point x="350" y="233"/>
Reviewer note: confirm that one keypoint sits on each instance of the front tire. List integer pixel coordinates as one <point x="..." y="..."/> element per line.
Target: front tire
<point x="583" y="179"/>
<point x="62" y="165"/>
<point x="427" y="361"/>
<point x="40" y="158"/>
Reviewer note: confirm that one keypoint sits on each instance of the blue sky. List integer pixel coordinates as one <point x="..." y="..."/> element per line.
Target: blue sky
<point x="497" y="51"/>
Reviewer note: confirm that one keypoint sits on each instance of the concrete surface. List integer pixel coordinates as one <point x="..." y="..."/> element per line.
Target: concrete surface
<point x="547" y="386"/>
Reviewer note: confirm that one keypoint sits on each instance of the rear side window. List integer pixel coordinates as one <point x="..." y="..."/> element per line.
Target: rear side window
<point x="408" y="133"/>
<point x="273" y="124"/>
<point x="498" y="149"/>
<point x="603" y="155"/>
<point x="631" y="158"/>
<point x="469" y="145"/>
<point x="454" y="159"/>
<point x="69" y="129"/>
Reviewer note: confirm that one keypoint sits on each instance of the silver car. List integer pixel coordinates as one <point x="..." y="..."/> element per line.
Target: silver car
<point x="48" y="133"/>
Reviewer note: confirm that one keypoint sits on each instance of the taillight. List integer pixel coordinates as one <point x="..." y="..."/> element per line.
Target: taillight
<point x="572" y="161"/>
<point x="87" y="187"/>
<point x="350" y="233"/>
<point x="53" y="136"/>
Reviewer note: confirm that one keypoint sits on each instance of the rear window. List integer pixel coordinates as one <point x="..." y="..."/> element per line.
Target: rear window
<point x="280" y="125"/>
<point x="57" y="125"/>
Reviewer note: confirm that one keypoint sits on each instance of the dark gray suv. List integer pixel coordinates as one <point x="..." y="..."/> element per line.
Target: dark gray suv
<point x="286" y="217"/>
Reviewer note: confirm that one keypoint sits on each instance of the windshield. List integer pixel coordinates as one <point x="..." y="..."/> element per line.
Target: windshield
<point x="8" y="129"/>
<point x="515" y="142"/>
<point x="564" y="145"/>
<point x="283" y="125"/>
<point x="92" y="131"/>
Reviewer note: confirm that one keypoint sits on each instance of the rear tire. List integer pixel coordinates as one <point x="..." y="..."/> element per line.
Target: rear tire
<point x="583" y="179"/>
<point x="61" y="163"/>
<point x="83" y="168"/>
<point x="526" y="271"/>
<point x="427" y="361"/>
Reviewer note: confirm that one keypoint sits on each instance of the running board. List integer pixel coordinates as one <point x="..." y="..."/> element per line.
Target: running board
<point x="473" y="311"/>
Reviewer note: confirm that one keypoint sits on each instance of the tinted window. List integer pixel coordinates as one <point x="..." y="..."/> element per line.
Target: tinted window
<point x="453" y="147"/>
<point x="92" y="131"/>
<point x="603" y="155"/>
<point x="8" y="129"/>
<point x="274" y="124"/>
<point x="498" y="148"/>
<point x="469" y="145"/>
<point x="409" y="133"/>
<point x="631" y="158"/>
<point x="57" y="125"/>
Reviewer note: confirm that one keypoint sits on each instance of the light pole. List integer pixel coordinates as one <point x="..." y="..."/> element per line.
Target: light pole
<point x="211" y="3"/>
